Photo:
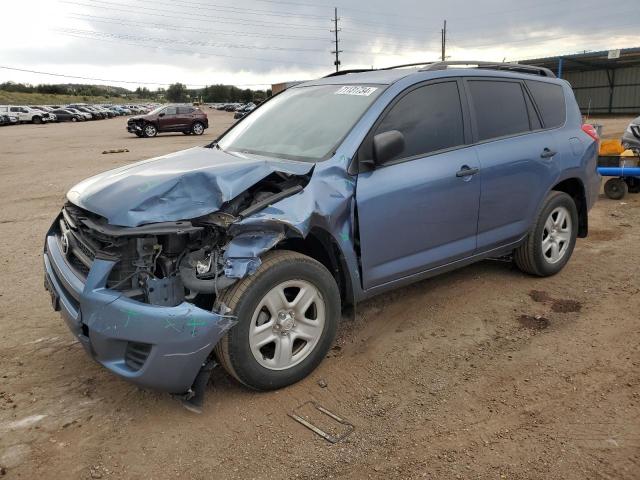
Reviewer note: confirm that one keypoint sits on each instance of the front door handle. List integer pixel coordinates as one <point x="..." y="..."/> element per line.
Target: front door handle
<point x="466" y="171"/>
<point x="547" y="153"/>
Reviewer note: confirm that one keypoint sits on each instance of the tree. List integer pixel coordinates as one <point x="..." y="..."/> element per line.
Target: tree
<point x="177" y="92"/>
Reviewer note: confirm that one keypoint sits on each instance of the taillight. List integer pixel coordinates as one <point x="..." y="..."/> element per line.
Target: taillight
<point x="591" y="131"/>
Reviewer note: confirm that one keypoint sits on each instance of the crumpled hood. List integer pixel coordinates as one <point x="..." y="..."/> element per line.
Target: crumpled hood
<point x="178" y="186"/>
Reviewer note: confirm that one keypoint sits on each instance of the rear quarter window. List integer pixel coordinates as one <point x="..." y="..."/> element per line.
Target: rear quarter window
<point x="500" y="108"/>
<point x="549" y="98"/>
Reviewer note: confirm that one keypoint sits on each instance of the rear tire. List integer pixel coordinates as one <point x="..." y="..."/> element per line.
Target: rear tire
<point x="615" y="188"/>
<point x="288" y="313"/>
<point x="36" y="120"/>
<point x="197" y="128"/>
<point x="551" y="240"/>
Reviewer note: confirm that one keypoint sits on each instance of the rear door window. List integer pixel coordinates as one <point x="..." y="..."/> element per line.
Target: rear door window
<point x="500" y="108"/>
<point x="185" y="110"/>
<point x="429" y="117"/>
<point x="549" y="98"/>
<point x="170" y="110"/>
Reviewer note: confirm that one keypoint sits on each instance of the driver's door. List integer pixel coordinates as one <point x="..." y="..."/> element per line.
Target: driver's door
<point x="168" y="119"/>
<point x="419" y="211"/>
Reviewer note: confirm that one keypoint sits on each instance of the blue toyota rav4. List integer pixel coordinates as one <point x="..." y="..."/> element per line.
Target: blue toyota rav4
<point x="244" y="251"/>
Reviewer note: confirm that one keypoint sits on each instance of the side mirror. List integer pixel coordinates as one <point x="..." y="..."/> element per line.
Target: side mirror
<point x="162" y="114"/>
<point x="387" y="146"/>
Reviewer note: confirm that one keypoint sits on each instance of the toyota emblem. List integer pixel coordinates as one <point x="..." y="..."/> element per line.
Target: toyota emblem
<point x="65" y="243"/>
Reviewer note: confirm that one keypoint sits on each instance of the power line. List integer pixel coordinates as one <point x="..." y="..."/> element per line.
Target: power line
<point x="164" y="26"/>
<point x="244" y="11"/>
<point x="114" y="81"/>
<point x="198" y="16"/>
<point x="193" y="52"/>
<point x="197" y="43"/>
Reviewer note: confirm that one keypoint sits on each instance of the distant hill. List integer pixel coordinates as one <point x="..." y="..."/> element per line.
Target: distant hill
<point x="21" y="98"/>
<point x="108" y="88"/>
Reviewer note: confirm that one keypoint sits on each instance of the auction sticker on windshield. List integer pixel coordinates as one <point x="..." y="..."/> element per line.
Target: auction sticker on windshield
<point x="355" y="90"/>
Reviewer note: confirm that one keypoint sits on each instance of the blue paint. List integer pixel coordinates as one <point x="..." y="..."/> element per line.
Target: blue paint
<point x="619" y="171"/>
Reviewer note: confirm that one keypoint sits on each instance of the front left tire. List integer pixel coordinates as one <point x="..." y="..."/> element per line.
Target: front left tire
<point x="150" y="130"/>
<point x="287" y="314"/>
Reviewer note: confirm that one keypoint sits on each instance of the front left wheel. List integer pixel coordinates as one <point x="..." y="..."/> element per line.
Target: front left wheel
<point x="150" y="130"/>
<point x="287" y="314"/>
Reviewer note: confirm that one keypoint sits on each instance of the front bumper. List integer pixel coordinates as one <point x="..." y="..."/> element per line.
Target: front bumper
<point x="162" y="348"/>
<point x="134" y="128"/>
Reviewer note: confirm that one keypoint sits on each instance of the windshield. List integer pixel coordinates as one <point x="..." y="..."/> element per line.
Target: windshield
<point x="156" y="110"/>
<point x="305" y="123"/>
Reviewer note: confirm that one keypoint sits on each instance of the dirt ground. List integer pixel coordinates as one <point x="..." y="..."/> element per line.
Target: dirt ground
<point x="482" y="373"/>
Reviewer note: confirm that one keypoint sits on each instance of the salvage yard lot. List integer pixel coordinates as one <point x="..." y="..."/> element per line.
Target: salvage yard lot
<point x="480" y="373"/>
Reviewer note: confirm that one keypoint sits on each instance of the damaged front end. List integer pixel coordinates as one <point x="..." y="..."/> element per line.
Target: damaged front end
<point x="143" y="299"/>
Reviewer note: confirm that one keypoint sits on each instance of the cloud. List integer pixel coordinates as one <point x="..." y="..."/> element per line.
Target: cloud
<point x="267" y="41"/>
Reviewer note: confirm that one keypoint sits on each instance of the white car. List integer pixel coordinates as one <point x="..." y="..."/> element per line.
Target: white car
<point x="26" y="114"/>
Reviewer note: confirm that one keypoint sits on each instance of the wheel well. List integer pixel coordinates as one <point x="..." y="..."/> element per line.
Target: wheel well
<point x="575" y="188"/>
<point x="320" y="246"/>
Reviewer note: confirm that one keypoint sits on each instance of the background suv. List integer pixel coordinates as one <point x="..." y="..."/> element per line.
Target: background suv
<point x="172" y="118"/>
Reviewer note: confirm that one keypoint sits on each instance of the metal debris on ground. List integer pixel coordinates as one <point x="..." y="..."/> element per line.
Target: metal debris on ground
<point x="117" y="150"/>
<point x="349" y="428"/>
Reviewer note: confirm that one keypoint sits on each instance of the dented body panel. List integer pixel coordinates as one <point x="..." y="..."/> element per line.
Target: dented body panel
<point x="114" y="329"/>
<point x="181" y="185"/>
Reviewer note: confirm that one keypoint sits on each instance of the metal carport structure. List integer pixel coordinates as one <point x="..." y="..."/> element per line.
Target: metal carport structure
<point x="604" y="82"/>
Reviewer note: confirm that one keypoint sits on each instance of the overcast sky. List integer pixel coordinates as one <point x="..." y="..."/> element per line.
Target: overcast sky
<point x="254" y="42"/>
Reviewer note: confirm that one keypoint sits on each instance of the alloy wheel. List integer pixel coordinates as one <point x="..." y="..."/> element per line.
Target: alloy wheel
<point x="287" y="324"/>
<point x="556" y="235"/>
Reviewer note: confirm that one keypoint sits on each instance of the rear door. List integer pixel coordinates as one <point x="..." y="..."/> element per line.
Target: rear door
<point x="417" y="213"/>
<point x="185" y="117"/>
<point x="516" y="156"/>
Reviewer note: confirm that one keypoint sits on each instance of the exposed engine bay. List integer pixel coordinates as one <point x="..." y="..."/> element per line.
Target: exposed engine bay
<point x="170" y="262"/>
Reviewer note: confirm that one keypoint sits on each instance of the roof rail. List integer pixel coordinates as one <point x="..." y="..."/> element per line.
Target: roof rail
<point x="406" y="65"/>
<point x="513" y="67"/>
<point x="344" y="72"/>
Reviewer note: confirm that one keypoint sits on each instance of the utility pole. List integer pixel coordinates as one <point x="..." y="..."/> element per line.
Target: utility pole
<point x="335" y="30"/>
<point x="444" y="41"/>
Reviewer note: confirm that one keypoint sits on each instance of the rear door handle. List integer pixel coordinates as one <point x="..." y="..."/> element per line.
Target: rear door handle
<point x="547" y="153"/>
<point x="466" y="170"/>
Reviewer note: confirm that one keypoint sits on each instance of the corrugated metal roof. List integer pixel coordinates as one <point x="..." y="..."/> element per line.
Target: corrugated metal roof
<point x="581" y="62"/>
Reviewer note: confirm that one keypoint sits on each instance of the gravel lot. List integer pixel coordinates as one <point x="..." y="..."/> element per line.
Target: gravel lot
<point x="480" y="373"/>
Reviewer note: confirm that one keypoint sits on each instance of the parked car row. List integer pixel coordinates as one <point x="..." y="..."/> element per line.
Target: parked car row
<point x="243" y="110"/>
<point x="76" y="112"/>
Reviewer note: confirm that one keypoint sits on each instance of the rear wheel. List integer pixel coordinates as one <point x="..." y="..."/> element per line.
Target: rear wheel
<point x="615" y="188"/>
<point x="36" y="120"/>
<point x="74" y="119"/>
<point x="150" y="130"/>
<point x="552" y="238"/>
<point x="197" y="128"/>
<point x="287" y="315"/>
